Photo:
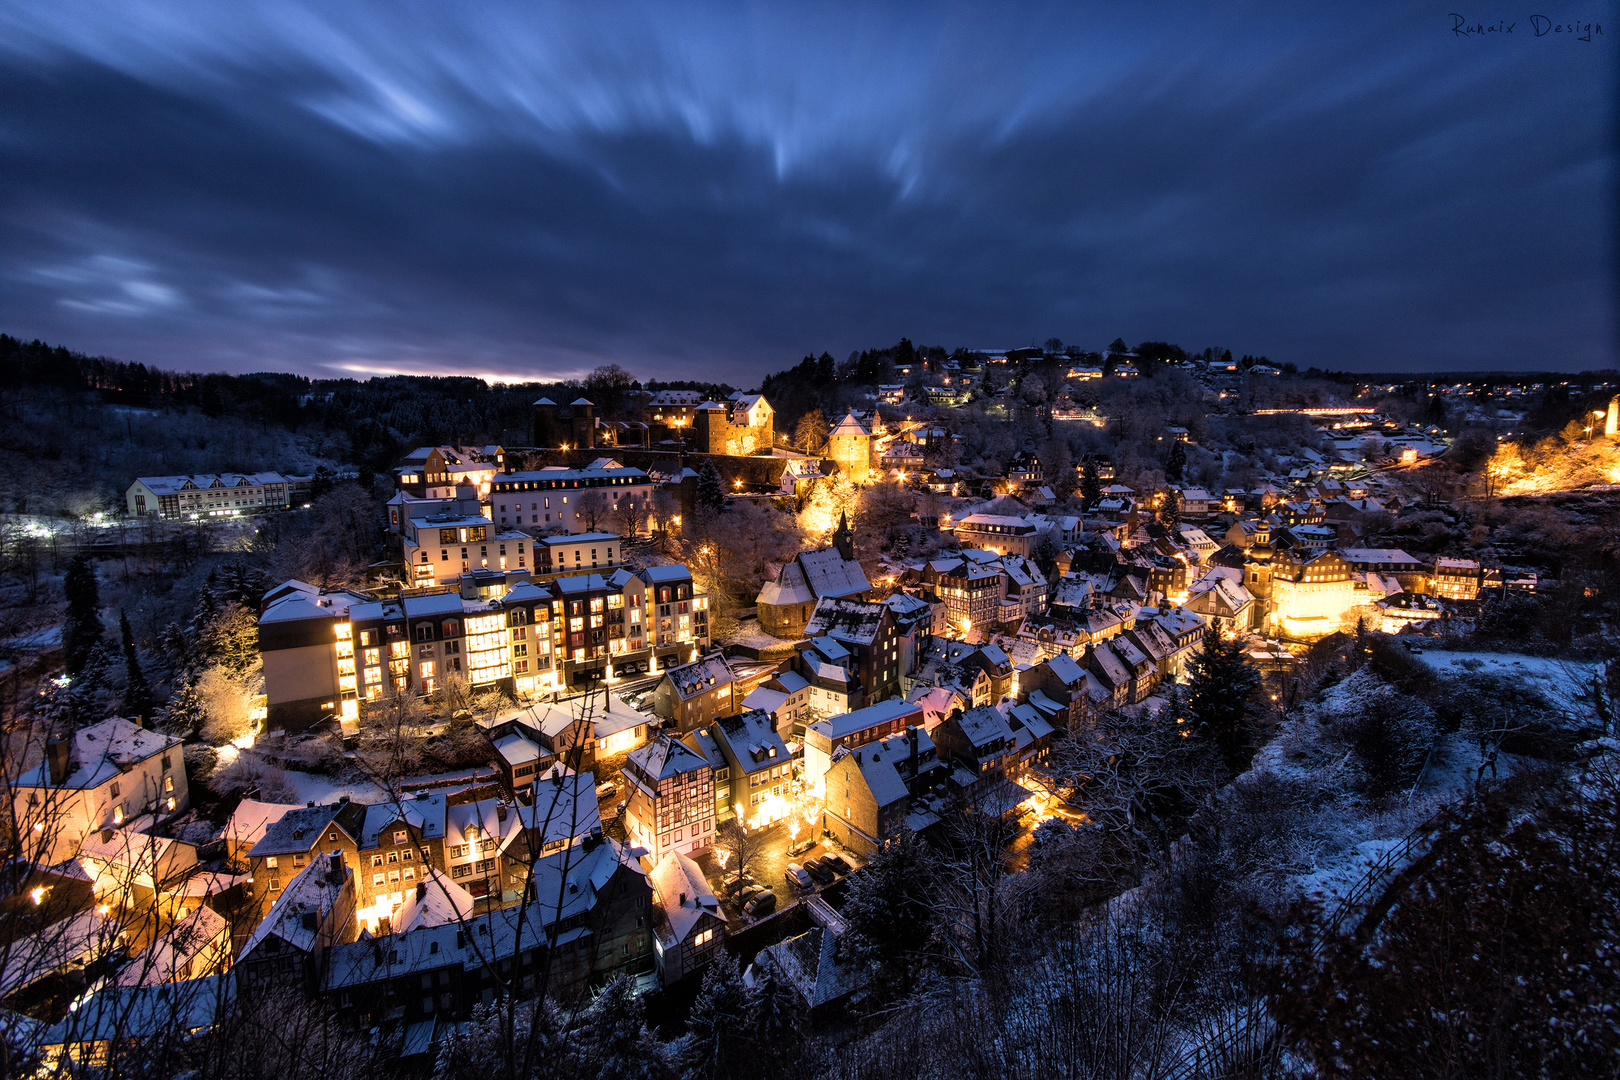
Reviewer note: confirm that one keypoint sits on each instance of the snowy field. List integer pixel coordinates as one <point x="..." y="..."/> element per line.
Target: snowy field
<point x="1560" y="681"/>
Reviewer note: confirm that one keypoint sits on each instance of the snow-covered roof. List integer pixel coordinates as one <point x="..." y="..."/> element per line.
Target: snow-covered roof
<point x="853" y="622"/>
<point x="665" y="757"/>
<point x="844" y="724"/>
<point x="251" y="818"/>
<point x="829" y="574"/>
<point x="683" y="896"/>
<point x="314" y="890"/>
<point x="436" y="901"/>
<point x="101" y="752"/>
<point x="201" y="932"/>
<point x="701" y="676"/>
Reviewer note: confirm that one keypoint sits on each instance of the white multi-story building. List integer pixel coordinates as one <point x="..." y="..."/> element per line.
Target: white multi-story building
<point x="208" y="496"/>
<point x="98" y="777"/>
<point x="439" y="548"/>
<point x="324" y="652"/>
<point x="571" y="500"/>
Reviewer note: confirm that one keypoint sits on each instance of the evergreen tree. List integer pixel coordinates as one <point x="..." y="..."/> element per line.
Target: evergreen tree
<point x="773" y="1022"/>
<point x="82" y="631"/>
<point x="1175" y="468"/>
<point x="1170" y="509"/>
<point x="137" y="691"/>
<point x="1090" y="482"/>
<point x="888" y="910"/>
<point x="614" y="1042"/>
<point x="711" y="490"/>
<point x="715" y="1045"/>
<point x="1223" y="683"/>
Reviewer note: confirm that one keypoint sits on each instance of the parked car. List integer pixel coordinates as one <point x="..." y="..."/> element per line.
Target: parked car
<point x="797" y="877"/>
<point x="606" y="790"/>
<point x="818" y="870"/>
<point x="760" y="906"/>
<point x="746" y="894"/>
<point x="836" y="862"/>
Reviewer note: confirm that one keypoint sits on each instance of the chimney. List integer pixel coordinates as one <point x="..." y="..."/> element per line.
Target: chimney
<point x="500" y="812"/>
<point x="421" y="890"/>
<point x="335" y="866"/>
<point x="310" y="920"/>
<point x="59" y="752"/>
<point x="683" y="899"/>
<point x="106" y="836"/>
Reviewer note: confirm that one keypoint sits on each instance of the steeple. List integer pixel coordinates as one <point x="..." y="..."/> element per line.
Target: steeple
<point x="844" y="539"/>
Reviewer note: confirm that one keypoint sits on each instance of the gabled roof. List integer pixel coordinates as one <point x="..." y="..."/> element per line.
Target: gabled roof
<point x="853" y="622"/>
<point x="682" y="896"/>
<point x="665" y="757"/>
<point x="700" y="676"/>
<point x="435" y="901"/>
<point x="299" y="830"/>
<point x="984" y="725"/>
<point x="835" y="727"/>
<point x="425" y="813"/>
<point x="314" y="890"/>
<point x="829" y="574"/>
<point x="101" y="752"/>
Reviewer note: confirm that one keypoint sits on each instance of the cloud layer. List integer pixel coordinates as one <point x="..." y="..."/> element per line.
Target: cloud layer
<point x="711" y="191"/>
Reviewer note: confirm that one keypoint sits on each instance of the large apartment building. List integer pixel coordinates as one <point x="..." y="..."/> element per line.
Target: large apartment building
<point x="208" y="496"/>
<point x="324" y="652"/>
<point x="439" y="548"/>
<point x="571" y="500"/>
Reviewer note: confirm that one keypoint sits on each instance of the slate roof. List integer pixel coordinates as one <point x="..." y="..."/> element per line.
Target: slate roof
<point x="810" y="963"/>
<point x="425" y="813"/>
<point x="499" y="933"/>
<point x="101" y="752"/>
<point x="682" y="896"/>
<point x="829" y="574"/>
<point x="145" y="1011"/>
<point x="435" y="901"/>
<point x="700" y="676"/>
<point x="853" y="622"/>
<point x="314" y="889"/>
<point x="665" y="757"/>
<point x="984" y="725"/>
<point x="835" y="727"/>
<point x="298" y="830"/>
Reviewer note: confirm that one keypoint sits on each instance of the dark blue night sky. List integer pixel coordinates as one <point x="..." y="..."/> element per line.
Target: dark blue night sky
<point x="713" y="190"/>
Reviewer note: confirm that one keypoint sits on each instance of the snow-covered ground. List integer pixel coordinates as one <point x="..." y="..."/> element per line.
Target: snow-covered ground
<point x="1560" y="681"/>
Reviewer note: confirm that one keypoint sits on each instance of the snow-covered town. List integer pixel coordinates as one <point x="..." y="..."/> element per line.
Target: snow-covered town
<point x="672" y="695"/>
<point x="705" y="540"/>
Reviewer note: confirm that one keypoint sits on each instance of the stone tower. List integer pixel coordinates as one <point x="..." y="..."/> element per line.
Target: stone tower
<point x="849" y="446"/>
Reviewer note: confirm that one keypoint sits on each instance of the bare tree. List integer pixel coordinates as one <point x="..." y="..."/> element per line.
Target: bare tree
<point x="592" y="509"/>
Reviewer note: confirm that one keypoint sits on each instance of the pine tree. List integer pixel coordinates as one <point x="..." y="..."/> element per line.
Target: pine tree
<point x="137" y="691"/>
<point x="1090" y="482"/>
<point x="1170" y="510"/>
<point x="614" y="1041"/>
<point x="82" y="631"/>
<point x="1218" y="698"/>
<point x="715" y="1043"/>
<point x="888" y="911"/>
<point x="1176" y="466"/>
<point x="711" y="490"/>
<point x="773" y="1022"/>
